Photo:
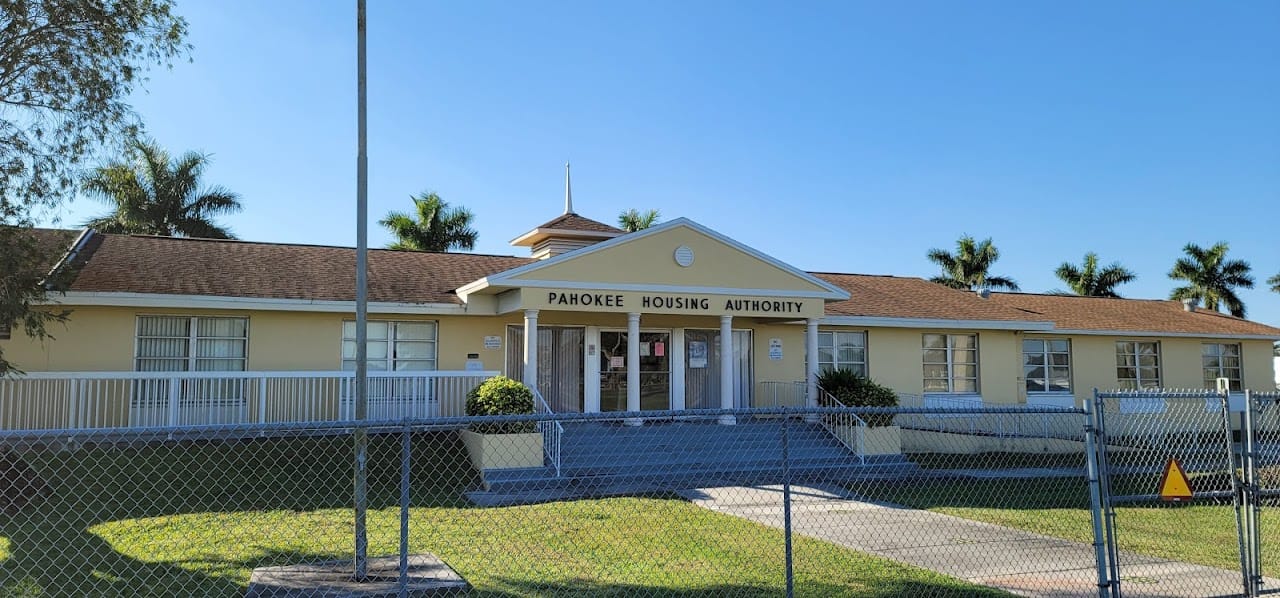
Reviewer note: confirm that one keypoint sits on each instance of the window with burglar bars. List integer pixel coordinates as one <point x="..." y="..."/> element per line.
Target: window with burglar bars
<point x="191" y="344"/>
<point x="951" y="363"/>
<point x="393" y="346"/>
<point x="1221" y="360"/>
<point x="1046" y="365"/>
<point x="841" y="349"/>
<point x="1138" y="364"/>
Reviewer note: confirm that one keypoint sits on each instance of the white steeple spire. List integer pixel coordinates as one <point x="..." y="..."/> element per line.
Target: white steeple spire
<point x="568" y="191"/>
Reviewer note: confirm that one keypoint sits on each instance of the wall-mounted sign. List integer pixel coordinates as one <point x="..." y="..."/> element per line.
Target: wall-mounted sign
<point x="624" y="301"/>
<point x="697" y="354"/>
<point x="775" y="349"/>
<point x="492" y="342"/>
<point x="473" y="362"/>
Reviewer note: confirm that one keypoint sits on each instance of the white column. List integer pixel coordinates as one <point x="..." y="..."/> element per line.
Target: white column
<point x="591" y="383"/>
<point x="811" y="362"/>
<point x="726" y="368"/>
<point x="675" y="356"/>
<point x="633" y="366"/>
<point x="531" y="348"/>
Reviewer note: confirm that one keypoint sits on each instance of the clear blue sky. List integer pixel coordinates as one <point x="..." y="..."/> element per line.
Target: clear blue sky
<point x="835" y="136"/>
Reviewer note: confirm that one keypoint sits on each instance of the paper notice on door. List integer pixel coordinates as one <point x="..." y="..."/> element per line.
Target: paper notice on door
<point x="617" y="362"/>
<point x="697" y="354"/>
<point x="644" y="349"/>
<point x="659" y="349"/>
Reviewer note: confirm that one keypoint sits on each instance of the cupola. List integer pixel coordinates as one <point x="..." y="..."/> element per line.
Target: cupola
<point x="567" y="232"/>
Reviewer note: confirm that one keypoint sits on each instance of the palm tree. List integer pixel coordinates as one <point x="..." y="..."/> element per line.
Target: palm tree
<point x="155" y="194"/>
<point x="434" y="227"/>
<point x="1213" y="278"/>
<point x="967" y="268"/>
<point x="633" y="220"/>
<point x="1274" y="281"/>
<point x="1089" y="281"/>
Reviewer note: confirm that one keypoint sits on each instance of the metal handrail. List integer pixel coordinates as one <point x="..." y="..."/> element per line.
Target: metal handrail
<point x="843" y="420"/>
<point x="552" y="431"/>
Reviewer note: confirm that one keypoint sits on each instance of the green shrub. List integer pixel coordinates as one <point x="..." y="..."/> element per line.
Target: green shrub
<point x="854" y="390"/>
<point x="501" y="395"/>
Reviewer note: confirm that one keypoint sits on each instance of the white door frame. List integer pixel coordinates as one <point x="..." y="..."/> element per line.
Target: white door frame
<point x="592" y="389"/>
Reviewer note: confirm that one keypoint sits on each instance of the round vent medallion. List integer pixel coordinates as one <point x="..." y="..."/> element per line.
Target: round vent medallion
<point x="684" y="256"/>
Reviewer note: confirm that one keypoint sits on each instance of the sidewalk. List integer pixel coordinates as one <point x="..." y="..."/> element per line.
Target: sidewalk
<point x="1019" y="562"/>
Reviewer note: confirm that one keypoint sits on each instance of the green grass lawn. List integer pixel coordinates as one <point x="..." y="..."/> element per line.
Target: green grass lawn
<point x="1195" y="533"/>
<point x="195" y="518"/>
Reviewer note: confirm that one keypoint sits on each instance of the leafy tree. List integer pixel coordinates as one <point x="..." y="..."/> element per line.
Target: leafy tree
<point x="1211" y="277"/>
<point x="67" y="69"/>
<point x="1088" y="281"/>
<point x="433" y="227"/>
<point x="968" y="267"/>
<point x="157" y="195"/>
<point x="633" y="220"/>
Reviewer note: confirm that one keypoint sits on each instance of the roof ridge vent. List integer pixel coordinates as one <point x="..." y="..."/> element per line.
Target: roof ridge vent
<point x="984" y="292"/>
<point x="1190" y="304"/>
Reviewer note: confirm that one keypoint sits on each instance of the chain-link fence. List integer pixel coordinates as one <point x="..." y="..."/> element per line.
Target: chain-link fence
<point x="1266" y="470"/>
<point x="822" y="502"/>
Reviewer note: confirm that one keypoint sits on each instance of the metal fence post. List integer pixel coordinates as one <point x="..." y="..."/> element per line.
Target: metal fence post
<point x="405" y="446"/>
<point x="1095" y="498"/>
<point x="786" y="504"/>
<point x="1252" y="494"/>
<point x="1104" y="484"/>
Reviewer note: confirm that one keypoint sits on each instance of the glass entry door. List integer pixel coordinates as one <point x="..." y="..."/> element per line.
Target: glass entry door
<point x="702" y="369"/>
<point x="655" y="370"/>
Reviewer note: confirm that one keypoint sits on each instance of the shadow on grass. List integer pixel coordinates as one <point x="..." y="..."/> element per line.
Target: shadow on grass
<point x="52" y="551"/>
<point x="584" y="588"/>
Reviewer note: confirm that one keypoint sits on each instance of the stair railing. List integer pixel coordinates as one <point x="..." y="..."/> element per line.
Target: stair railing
<point x="845" y="426"/>
<point x="551" y="431"/>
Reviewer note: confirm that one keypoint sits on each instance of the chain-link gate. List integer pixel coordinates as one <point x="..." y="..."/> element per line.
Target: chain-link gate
<point x="1200" y="462"/>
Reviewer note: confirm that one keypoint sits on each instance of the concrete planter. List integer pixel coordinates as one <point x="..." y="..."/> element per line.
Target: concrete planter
<point x="503" y="451"/>
<point x="884" y="440"/>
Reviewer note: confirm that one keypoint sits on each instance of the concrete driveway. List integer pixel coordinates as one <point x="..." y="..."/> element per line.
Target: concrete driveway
<point x="1019" y="562"/>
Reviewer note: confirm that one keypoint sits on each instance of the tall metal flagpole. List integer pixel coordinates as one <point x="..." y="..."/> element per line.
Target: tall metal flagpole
<point x="362" y="299"/>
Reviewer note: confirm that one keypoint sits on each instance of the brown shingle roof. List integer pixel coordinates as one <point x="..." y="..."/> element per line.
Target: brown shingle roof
<point x="52" y="243"/>
<point x="1070" y="312"/>
<point x="572" y="221"/>
<point x="164" y="265"/>
<point x="900" y="297"/>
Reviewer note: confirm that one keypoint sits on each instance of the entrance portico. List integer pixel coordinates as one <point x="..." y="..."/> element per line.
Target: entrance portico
<point x="673" y="317"/>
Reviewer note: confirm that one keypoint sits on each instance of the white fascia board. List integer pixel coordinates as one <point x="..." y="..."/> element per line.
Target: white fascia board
<point x="1151" y="334"/>
<point x="84" y="298"/>
<point x="879" y="322"/>
<point x="564" y="232"/>
<point x="503" y="278"/>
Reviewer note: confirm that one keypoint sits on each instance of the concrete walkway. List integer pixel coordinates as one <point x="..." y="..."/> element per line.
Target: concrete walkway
<point x="1019" y="562"/>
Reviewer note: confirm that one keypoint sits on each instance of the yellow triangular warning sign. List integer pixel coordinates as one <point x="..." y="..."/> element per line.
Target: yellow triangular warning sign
<point x="1174" y="484"/>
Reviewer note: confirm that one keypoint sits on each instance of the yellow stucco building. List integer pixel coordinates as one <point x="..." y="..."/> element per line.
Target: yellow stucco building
<point x="597" y="320"/>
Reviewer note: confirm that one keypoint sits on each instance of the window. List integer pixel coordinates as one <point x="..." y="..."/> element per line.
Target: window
<point x="1221" y="360"/>
<point x="842" y="350"/>
<point x="191" y="343"/>
<point x="1046" y="364"/>
<point x="5" y="331"/>
<point x="398" y="346"/>
<point x="951" y="363"/>
<point x="1138" y="364"/>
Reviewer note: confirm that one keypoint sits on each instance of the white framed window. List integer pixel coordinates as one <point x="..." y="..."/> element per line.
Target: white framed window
<point x="841" y="349"/>
<point x="191" y="344"/>
<point x="1046" y="365"/>
<point x="1221" y="360"/>
<point x="393" y="346"/>
<point x="1138" y="364"/>
<point x="951" y="363"/>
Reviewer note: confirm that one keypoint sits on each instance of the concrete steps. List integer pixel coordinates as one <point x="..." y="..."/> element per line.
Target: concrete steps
<point x="606" y="459"/>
